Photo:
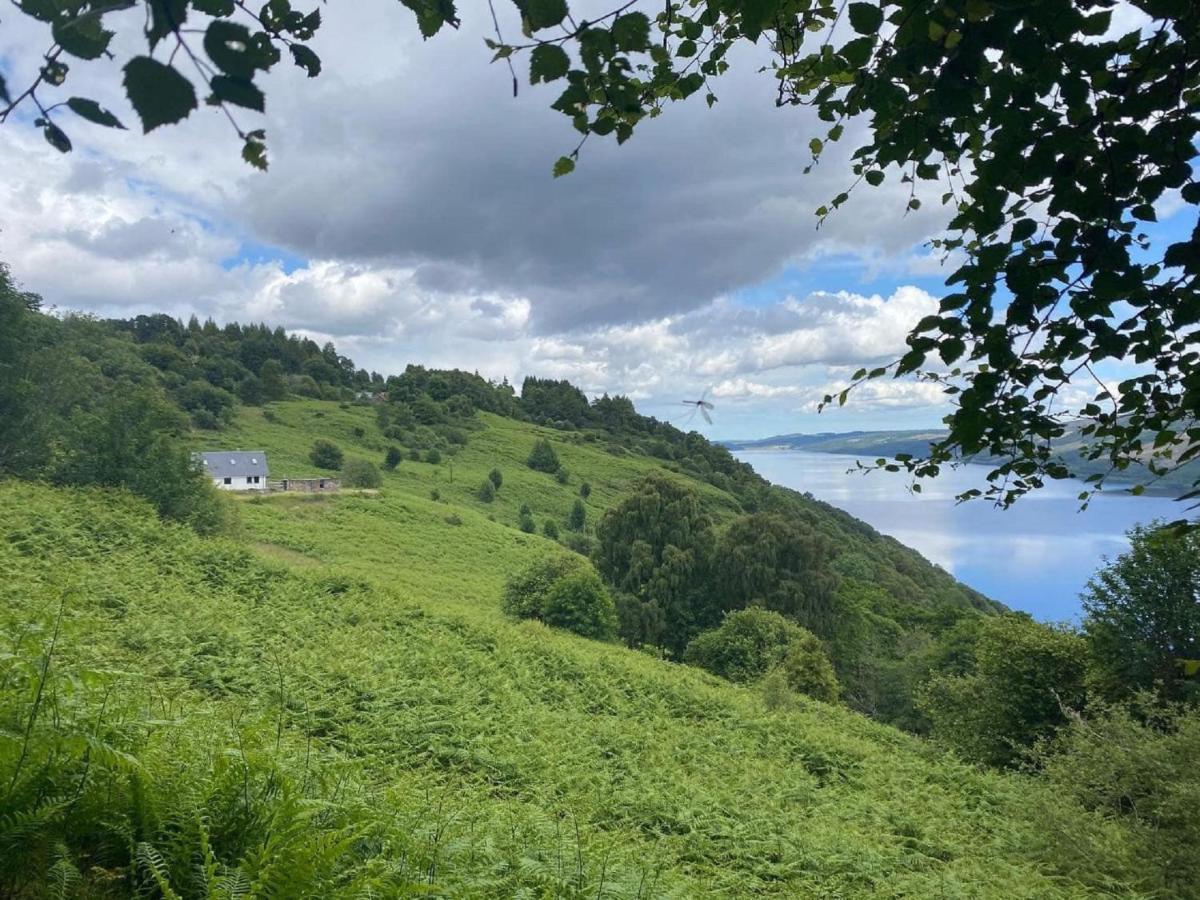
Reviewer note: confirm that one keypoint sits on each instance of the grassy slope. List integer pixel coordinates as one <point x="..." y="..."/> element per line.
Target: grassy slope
<point x="373" y="623"/>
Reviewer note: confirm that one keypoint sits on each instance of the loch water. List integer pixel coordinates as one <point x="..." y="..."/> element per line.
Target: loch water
<point x="1035" y="556"/>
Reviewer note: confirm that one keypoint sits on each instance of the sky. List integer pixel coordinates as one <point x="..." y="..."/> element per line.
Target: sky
<point x="409" y="215"/>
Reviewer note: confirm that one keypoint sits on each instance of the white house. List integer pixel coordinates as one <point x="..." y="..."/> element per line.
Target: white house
<point x="236" y="470"/>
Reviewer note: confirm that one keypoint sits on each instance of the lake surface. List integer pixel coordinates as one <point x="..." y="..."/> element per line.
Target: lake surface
<point x="1036" y="556"/>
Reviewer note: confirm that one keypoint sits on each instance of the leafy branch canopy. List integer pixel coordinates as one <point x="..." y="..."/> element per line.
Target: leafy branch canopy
<point x="1053" y="138"/>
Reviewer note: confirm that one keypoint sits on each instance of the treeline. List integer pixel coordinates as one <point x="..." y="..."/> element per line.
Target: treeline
<point x="80" y="406"/>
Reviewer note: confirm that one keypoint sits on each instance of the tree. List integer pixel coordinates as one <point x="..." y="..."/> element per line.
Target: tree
<point x="325" y="454"/>
<point x="550" y="529"/>
<point x="781" y="564"/>
<point x="1025" y="676"/>
<point x="393" y="458"/>
<point x="274" y="384"/>
<point x="433" y="456"/>
<point x="1058" y="271"/>
<point x="656" y="545"/>
<point x="360" y="473"/>
<point x="749" y="643"/>
<point x="585" y="490"/>
<point x="250" y="391"/>
<point x="526" y="524"/>
<point x="578" y="517"/>
<point x="496" y="477"/>
<point x="542" y="457"/>
<point x="1142" y="614"/>
<point x="525" y="592"/>
<point x="487" y="491"/>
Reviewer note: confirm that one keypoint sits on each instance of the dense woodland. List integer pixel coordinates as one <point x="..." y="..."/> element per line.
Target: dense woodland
<point x="696" y="561"/>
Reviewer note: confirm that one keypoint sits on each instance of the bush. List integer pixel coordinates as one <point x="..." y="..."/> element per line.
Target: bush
<point x="454" y="519"/>
<point x="542" y="457"/>
<point x="496" y="477"/>
<point x="579" y="543"/>
<point x="526" y="524"/>
<point x="360" y="473"/>
<point x="580" y="602"/>
<point x="562" y="476"/>
<point x="585" y="490"/>
<point x="359" y="432"/>
<point x="806" y="669"/>
<point x="525" y="593"/>
<point x="746" y="645"/>
<point x="433" y="456"/>
<point x="414" y="454"/>
<point x="563" y="591"/>
<point x="578" y="516"/>
<point x="525" y="510"/>
<point x="487" y="491"/>
<point x="550" y="529"/>
<point x="325" y="455"/>
<point x="394" y="455"/>
<point x="1022" y="676"/>
<point x="435" y="495"/>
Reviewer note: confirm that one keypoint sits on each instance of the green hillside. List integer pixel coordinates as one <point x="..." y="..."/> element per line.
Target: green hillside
<point x="344" y="711"/>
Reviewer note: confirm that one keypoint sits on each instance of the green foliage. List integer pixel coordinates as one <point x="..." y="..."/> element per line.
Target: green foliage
<point x="433" y="456"/>
<point x="578" y="517"/>
<point x="1142" y="615"/>
<point x="526" y="592"/>
<point x="1024" y="678"/>
<point x="393" y="458"/>
<point x="487" y="491"/>
<point x="585" y="490"/>
<point x="414" y="454"/>
<point x="550" y="529"/>
<point x="654" y="546"/>
<point x="806" y="669"/>
<point x="562" y="476"/>
<point x="325" y="454"/>
<point x="542" y="457"/>
<point x="748" y="644"/>
<point x="496" y="477"/>
<point x="526" y="524"/>
<point x="361" y="473"/>
<point x="781" y="564"/>
<point x="1133" y="766"/>
<point x="579" y="602"/>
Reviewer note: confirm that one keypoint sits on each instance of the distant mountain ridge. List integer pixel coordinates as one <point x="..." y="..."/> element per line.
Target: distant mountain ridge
<point x="916" y="442"/>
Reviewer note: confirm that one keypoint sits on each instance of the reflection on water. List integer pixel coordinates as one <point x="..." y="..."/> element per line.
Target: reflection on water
<point x="1036" y="556"/>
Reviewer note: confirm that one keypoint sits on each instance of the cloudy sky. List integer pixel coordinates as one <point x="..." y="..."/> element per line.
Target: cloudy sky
<point x="409" y="215"/>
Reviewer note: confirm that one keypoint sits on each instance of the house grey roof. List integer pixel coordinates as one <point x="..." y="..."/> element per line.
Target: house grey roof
<point x="226" y="463"/>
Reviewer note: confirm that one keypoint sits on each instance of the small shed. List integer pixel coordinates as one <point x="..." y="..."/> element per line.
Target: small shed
<point x="236" y="470"/>
<point x="310" y="485"/>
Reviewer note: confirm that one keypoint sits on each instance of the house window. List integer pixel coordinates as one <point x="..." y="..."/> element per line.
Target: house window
<point x="256" y="479"/>
<point x="229" y="481"/>
<point x="249" y="480"/>
<point x="322" y="484"/>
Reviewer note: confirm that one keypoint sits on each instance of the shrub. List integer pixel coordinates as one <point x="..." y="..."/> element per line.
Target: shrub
<point x="746" y="645"/>
<point x="562" y="476"/>
<point x="585" y="490"/>
<point x="487" y="491"/>
<point x="525" y="593"/>
<point x="325" y="455"/>
<point x="550" y="529"/>
<point x="806" y="669"/>
<point x="580" y="602"/>
<point x="525" y="510"/>
<point x="454" y="519"/>
<point x="435" y="495"/>
<point x="433" y="456"/>
<point x="563" y="591"/>
<point x="542" y="457"/>
<point x="496" y="477"/>
<point x="578" y="516"/>
<point x="394" y="455"/>
<point x="360" y="473"/>
<point x="359" y="432"/>
<point x="414" y="454"/>
<point x="526" y="524"/>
